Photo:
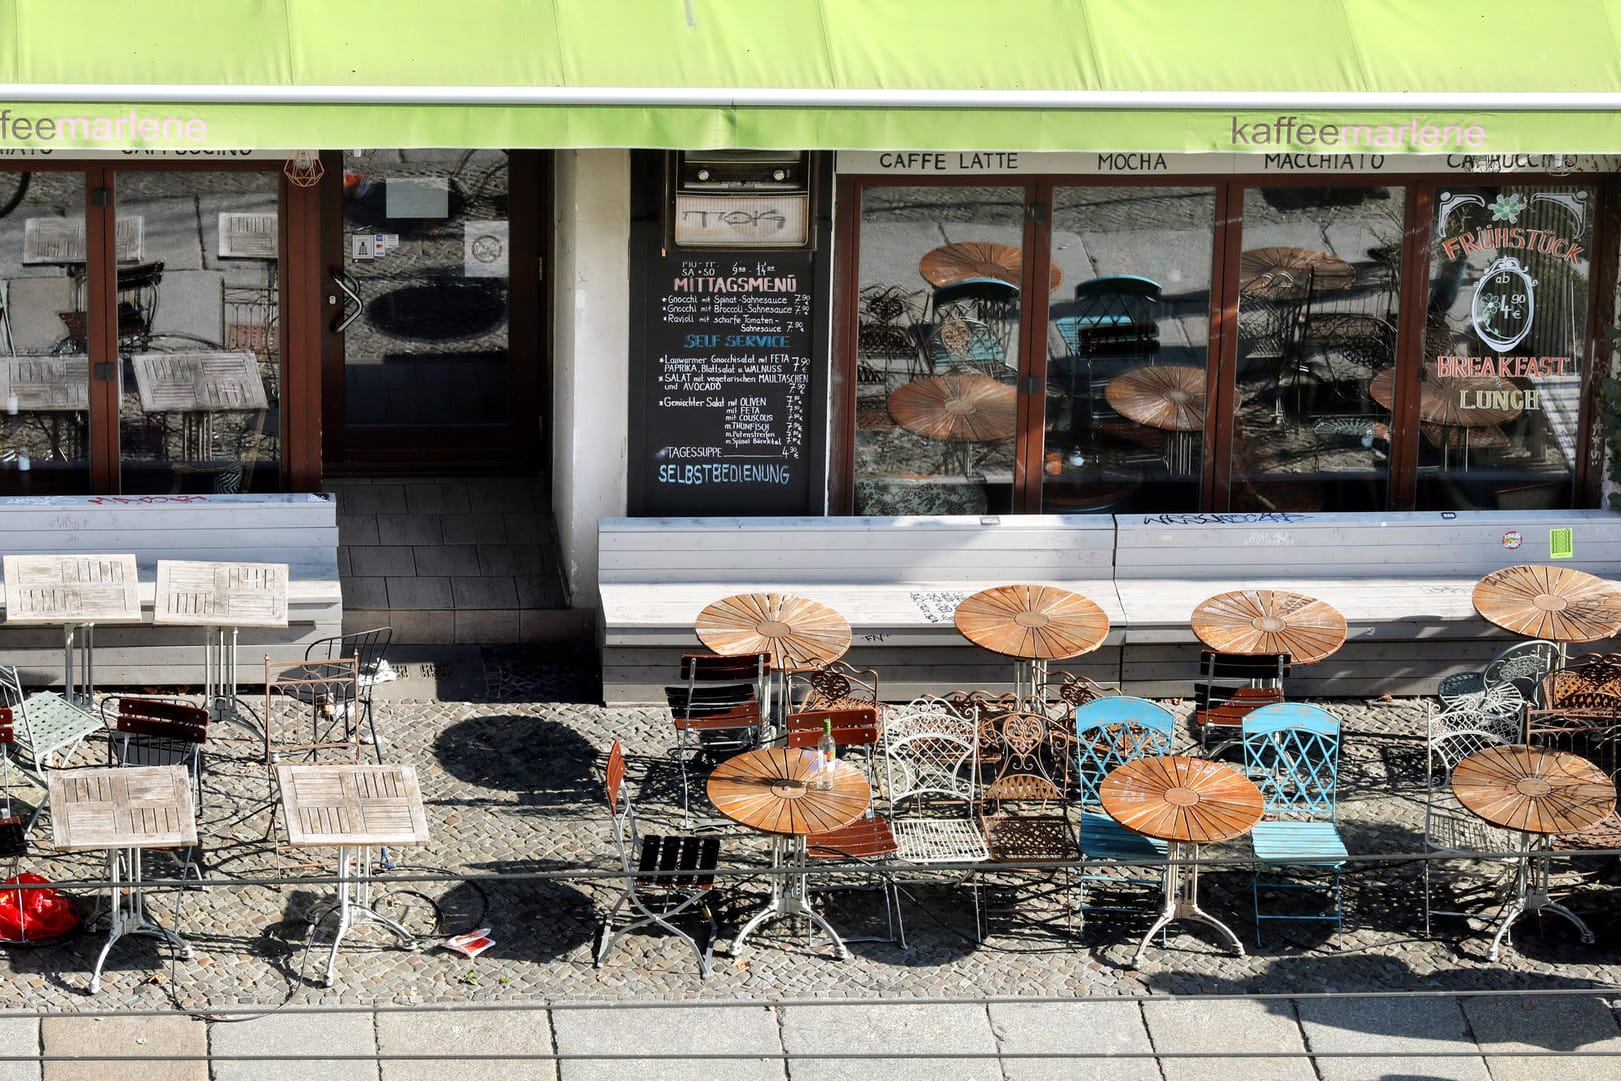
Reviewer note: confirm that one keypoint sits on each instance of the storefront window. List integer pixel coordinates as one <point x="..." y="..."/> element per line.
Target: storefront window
<point x="1128" y="336"/>
<point x="1318" y="294"/>
<point x="1503" y="346"/>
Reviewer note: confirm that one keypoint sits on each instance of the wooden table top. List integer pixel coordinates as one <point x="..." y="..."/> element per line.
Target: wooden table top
<point x="1178" y="797"/>
<point x="1286" y="271"/>
<point x="766" y="790"/>
<point x="1441" y="399"/>
<point x="1032" y="622"/>
<point x="1533" y="790"/>
<point x="966" y="260"/>
<point x="127" y="807"/>
<point x="1558" y="604"/>
<point x="797" y="632"/>
<point x="46" y="384"/>
<point x="1170" y="397"/>
<point x="195" y="593"/>
<point x="957" y="407"/>
<point x="198" y="382"/>
<point x="352" y="804"/>
<point x="71" y="589"/>
<point x="1251" y="621"/>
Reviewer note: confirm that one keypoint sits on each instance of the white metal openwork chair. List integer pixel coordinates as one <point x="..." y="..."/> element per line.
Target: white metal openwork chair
<point x="665" y="877"/>
<point x="1506" y="686"/>
<point x="48" y="727"/>
<point x="1109" y="732"/>
<point x="931" y="768"/>
<point x="1291" y="752"/>
<point x="1450" y="831"/>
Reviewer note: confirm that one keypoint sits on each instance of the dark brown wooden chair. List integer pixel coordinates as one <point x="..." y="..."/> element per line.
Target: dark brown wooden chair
<point x="718" y="710"/>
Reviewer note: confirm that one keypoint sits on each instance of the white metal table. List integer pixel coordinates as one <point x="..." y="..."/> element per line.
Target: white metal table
<point x="352" y="808"/>
<point x="124" y="811"/>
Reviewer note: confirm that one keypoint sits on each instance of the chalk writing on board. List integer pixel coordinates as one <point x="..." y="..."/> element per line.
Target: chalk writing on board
<point x="938" y="606"/>
<point x="1259" y="518"/>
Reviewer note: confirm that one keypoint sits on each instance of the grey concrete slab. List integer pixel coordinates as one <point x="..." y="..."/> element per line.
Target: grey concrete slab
<point x="1228" y="1027"/>
<point x="429" y="593"/>
<point x="447" y="559"/>
<point x="384" y="559"/>
<point x="951" y="1031"/>
<point x="1090" y="1029"/>
<point x="409" y="528"/>
<point x="488" y="1032"/>
<point x="487" y="528"/>
<point x="490" y="592"/>
<point x="192" y="305"/>
<point x="133" y="1036"/>
<point x="368" y="498"/>
<point x="670" y="1032"/>
<point x="19" y="1036"/>
<point x="1404" y="1027"/>
<point x="1562" y="1023"/>
<point x="295" y="1033"/>
<point x="365" y="593"/>
<point x="487" y="626"/>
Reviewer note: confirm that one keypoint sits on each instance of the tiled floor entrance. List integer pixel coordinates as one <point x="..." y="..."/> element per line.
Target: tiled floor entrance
<point x="448" y="559"/>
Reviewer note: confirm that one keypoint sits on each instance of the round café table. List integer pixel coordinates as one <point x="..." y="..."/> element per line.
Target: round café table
<point x="1289" y="272"/>
<point x="970" y="260"/>
<point x="1537" y="793"/>
<point x="1170" y="397"/>
<point x="1186" y="802"/>
<point x="1246" y="622"/>
<point x="1033" y="624"/>
<point x="1556" y="604"/>
<point x="1440" y="402"/>
<point x="769" y="790"/>
<point x="957" y="408"/>
<point x="796" y="632"/>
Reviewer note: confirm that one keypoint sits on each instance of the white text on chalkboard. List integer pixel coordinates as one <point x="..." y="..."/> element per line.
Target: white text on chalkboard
<point x="789" y="284"/>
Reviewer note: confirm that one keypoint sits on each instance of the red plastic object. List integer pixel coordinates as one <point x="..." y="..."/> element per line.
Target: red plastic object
<point x="45" y="913"/>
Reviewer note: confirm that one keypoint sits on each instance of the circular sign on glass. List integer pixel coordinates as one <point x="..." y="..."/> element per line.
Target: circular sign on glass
<point x="1512" y="539"/>
<point x="1504" y="304"/>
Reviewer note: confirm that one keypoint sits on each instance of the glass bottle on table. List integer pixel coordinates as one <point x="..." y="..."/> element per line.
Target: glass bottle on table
<point x="827" y="756"/>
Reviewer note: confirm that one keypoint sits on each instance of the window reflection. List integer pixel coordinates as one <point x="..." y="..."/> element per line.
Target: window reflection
<point x="1318" y="297"/>
<point x="1500" y="397"/>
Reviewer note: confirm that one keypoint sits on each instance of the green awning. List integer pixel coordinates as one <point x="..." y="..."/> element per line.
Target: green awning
<point x="1387" y="76"/>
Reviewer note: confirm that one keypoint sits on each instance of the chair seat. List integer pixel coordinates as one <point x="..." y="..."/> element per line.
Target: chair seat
<point x="939" y="840"/>
<point x="1298" y="842"/>
<point x="1102" y="838"/>
<point x="1030" y="838"/>
<point x="54" y="723"/>
<point x="863" y="839"/>
<point x="697" y="856"/>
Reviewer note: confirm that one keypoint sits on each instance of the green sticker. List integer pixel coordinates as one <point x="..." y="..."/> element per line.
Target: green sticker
<point x="1561" y="544"/>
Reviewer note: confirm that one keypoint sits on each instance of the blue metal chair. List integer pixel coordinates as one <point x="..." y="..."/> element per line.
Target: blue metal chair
<point x="1109" y="732"/>
<point x="1115" y="326"/>
<point x="1291" y="752"/>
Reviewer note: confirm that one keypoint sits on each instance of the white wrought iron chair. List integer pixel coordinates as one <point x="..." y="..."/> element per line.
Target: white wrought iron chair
<point x="1450" y="831"/>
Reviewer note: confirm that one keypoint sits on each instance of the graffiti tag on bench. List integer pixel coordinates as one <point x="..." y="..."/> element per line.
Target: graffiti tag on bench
<point x="938" y="606"/>
<point x="1258" y="518"/>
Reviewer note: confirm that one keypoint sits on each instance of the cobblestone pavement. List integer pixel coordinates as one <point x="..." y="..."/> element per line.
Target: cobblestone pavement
<point x="512" y="785"/>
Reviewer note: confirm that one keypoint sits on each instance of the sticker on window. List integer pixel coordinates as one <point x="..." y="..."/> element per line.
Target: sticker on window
<point x="1561" y="543"/>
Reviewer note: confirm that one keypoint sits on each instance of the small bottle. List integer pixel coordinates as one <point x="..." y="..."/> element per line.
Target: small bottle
<point x="827" y="754"/>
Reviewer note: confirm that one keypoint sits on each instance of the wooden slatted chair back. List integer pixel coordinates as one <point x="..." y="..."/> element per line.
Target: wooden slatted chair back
<point x="856" y="727"/>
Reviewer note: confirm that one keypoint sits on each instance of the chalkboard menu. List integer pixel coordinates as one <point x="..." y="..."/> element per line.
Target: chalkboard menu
<point x="724" y="400"/>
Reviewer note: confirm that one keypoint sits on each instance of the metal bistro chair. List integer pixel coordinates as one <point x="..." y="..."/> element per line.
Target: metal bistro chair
<point x="160" y="732"/>
<point x="368" y="648"/>
<point x="1115" y="326"/>
<point x="1507" y="686"/>
<point x="1291" y="752"/>
<point x="931" y="778"/>
<point x="1022" y="807"/>
<point x="834" y="685"/>
<point x="1451" y="832"/>
<point x="664" y="876"/>
<point x="51" y="727"/>
<point x="13" y="837"/>
<point x="868" y="839"/>
<point x="974" y="321"/>
<point x="719" y="709"/>
<point x="1109" y="732"/>
<point x="1230" y="687"/>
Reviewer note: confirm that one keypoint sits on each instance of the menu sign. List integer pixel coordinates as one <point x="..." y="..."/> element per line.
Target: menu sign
<point x="726" y="385"/>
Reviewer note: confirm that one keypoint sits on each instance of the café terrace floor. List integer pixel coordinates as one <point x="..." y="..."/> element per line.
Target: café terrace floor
<point x="510" y="766"/>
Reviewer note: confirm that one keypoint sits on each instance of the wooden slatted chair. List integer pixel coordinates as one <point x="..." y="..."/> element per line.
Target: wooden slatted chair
<point x="664" y="877"/>
<point x="160" y="732"/>
<point x="1230" y="687"/>
<point x="719" y="709"/>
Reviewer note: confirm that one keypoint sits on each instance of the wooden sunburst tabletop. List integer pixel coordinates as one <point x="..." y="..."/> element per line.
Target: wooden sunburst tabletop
<point x="1170" y="397"/>
<point x="1533" y="790"/>
<point x="797" y="632"/>
<point x="1557" y="604"/>
<point x="768" y="790"/>
<point x="968" y="260"/>
<point x="1251" y="621"/>
<point x="1181" y="798"/>
<point x="1032" y="622"/>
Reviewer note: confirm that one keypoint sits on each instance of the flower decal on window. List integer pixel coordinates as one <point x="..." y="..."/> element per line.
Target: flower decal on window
<point x="1507" y="207"/>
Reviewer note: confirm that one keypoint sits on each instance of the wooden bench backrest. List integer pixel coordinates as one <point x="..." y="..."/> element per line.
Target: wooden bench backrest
<point x="798" y="551"/>
<point x="1418" y="544"/>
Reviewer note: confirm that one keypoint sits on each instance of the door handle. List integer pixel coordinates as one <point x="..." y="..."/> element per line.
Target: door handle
<point x="352" y="306"/>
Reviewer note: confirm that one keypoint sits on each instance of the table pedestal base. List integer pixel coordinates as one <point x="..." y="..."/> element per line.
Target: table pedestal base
<point x="79" y="639"/>
<point x="789" y="897"/>
<point x="1182" y="898"/>
<point x="353" y="906"/>
<point x="129" y="909"/>
<point x="1531" y="892"/>
<point x="219" y="680"/>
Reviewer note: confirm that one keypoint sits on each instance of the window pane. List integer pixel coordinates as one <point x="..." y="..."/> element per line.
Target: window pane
<point x="1503" y="348"/>
<point x="1318" y="297"/>
<point x="197" y="286"/>
<point x="44" y="373"/>
<point x="1128" y="338"/>
<point x="936" y="360"/>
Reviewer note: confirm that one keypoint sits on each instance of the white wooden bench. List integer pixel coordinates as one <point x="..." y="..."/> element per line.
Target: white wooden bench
<point x="895" y="579"/>
<point x="299" y="530"/>
<point x="1402" y="580"/>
